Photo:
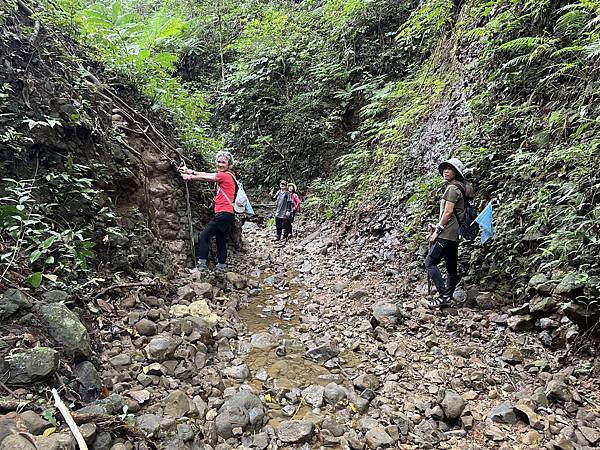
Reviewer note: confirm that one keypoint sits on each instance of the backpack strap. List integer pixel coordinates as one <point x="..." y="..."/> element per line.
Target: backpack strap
<point x="466" y="201"/>
<point x="235" y="182"/>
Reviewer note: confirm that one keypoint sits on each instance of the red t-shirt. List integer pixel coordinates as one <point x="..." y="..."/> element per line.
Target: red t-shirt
<point x="225" y="184"/>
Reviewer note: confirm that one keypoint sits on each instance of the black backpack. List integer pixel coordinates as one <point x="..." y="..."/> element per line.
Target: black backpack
<point x="468" y="229"/>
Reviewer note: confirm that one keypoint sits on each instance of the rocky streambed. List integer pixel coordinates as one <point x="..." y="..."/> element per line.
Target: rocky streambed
<point x="302" y="345"/>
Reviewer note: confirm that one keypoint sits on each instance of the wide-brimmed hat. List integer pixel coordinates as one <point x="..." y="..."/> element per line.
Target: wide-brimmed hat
<point x="293" y="185"/>
<point x="455" y="164"/>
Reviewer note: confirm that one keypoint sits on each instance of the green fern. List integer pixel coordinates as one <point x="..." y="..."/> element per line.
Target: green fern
<point x="572" y="23"/>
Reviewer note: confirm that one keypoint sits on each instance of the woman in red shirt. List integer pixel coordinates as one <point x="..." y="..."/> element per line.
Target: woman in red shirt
<point x="224" y="213"/>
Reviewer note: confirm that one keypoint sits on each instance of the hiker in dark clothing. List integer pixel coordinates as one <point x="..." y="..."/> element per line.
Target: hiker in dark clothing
<point x="295" y="208"/>
<point x="443" y="238"/>
<point x="224" y="211"/>
<point x="283" y="209"/>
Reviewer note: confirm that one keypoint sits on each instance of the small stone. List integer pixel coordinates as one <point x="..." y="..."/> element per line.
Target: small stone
<point x="334" y="393"/>
<point x="120" y="360"/>
<point x="366" y="381"/>
<point x="377" y="437"/>
<point x="324" y="352"/>
<point x="520" y="323"/>
<point x="558" y="390"/>
<point x="146" y="327"/>
<point x="88" y="431"/>
<point x="386" y="313"/>
<point x="162" y="348"/>
<point x="295" y="431"/>
<point x="503" y="413"/>
<point x="590" y="434"/>
<point x="532" y="437"/>
<point x="239" y="373"/>
<point x="529" y="415"/>
<point x="512" y="355"/>
<point x="452" y="404"/>
<point x="313" y="395"/>
<point x="177" y="404"/>
<point x="34" y="422"/>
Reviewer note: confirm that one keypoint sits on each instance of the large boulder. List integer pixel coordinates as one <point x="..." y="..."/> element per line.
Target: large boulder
<point x="66" y="328"/>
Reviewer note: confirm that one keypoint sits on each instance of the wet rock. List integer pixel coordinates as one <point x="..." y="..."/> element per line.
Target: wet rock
<point x="313" y="395"/>
<point x="162" y="348"/>
<point x="11" y="301"/>
<point x="32" y="365"/>
<point x="295" y="431"/>
<point x="558" y="390"/>
<point x="512" y="355"/>
<point x="503" y="413"/>
<point x="452" y="404"/>
<point x="264" y="341"/>
<point x="146" y="327"/>
<point x="66" y="328"/>
<point x="334" y="393"/>
<point x="366" y="381"/>
<point x="378" y="437"/>
<point x="178" y="404"/>
<point x="386" y="313"/>
<point x="89" y="381"/>
<point x="324" y="352"/>
<point x="520" y="323"/>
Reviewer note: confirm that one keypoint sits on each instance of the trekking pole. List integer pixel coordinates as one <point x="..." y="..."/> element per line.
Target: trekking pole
<point x="189" y="215"/>
<point x="429" y="297"/>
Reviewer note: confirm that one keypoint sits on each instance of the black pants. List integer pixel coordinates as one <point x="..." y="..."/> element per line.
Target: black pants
<point x="219" y="227"/>
<point x="448" y="250"/>
<point x="287" y="227"/>
<point x="281" y="225"/>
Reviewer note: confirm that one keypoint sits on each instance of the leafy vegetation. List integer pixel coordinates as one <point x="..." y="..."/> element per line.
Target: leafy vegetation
<point x="358" y="101"/>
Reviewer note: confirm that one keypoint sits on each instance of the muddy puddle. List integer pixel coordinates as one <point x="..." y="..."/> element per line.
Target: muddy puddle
<point x="276" y="309"/>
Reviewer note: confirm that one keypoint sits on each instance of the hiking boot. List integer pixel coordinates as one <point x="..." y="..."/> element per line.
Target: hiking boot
<point x="440" y="301"/>
<point x="220" y="268"/>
